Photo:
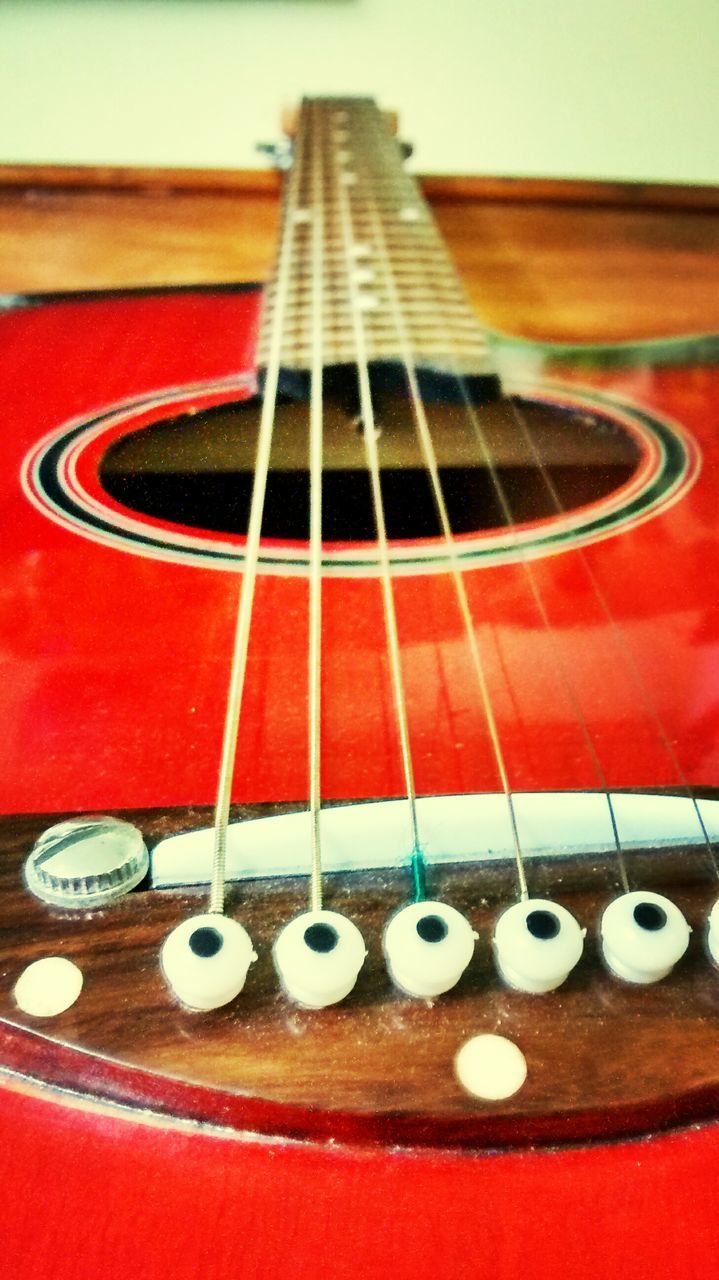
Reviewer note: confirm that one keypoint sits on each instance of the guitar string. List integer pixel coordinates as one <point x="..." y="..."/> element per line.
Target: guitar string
<point x="649" y="706"/>
<point x="559" y="663"/>
<point x="430" y="460"/>
<point x="620" y="642"/>
<point x="248" y="578"/>
<point x="500" y="491"/>
<point x="369" y="432"/>
<point x="315" y="484"/>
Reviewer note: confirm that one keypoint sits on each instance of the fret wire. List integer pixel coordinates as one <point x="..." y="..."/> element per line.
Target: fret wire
<point x="426" y="270"/>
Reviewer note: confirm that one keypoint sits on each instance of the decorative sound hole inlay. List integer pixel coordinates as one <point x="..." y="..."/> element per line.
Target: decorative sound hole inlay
<point x="114" y="479"/>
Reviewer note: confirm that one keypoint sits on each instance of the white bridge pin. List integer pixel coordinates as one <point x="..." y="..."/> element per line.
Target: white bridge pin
<point x="427" y="947"/>
<point x="205" y="960"/>
<point x="713" y="936"/>
<point x="643" y="936"/>
<point x="537" y="943"/>
<point x="318" y="956"/>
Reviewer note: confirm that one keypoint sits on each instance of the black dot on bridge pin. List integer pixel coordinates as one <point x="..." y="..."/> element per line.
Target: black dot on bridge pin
<point x="650" y="916"/>
<point x="205" y="942"/>
<point x="432" y="928"/>
<point x="543" y="925"/>
<point x="321" y="937"/>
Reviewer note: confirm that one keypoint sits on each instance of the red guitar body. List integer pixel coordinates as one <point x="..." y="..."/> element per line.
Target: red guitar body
<point x="116" y="634"/>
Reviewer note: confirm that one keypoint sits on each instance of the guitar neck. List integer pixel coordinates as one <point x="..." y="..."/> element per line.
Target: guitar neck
<point x="362" y="270"/>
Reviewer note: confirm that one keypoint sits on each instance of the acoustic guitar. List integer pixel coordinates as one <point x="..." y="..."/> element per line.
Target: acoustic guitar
<point x="361" y="739"/>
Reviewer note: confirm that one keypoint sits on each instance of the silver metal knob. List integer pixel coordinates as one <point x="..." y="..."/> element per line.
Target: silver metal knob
<point x="86" y="862"/>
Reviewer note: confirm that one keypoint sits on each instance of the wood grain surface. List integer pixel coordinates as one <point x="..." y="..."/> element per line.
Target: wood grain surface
<point x="562" y="261"/>
<point x="380" y="1065"/>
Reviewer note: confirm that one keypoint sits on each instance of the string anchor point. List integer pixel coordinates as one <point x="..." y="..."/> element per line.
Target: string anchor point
<point x="713" y="936"/>
<point x="205" y="960"/>
<point x="643" y="936"/>
<point x="318" y="957"/>
<point x="427" y="947"/>
<point x="537" y="943"/>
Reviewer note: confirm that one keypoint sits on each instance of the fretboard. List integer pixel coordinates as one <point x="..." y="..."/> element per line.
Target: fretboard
<point x="381" y="254"/>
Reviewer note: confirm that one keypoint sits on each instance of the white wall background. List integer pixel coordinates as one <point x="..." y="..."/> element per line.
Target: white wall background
<point x="601" y="88"/>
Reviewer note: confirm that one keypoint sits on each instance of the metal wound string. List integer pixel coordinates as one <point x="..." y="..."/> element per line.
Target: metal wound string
<point x="315" y="479"/>
<point x="559" y="662"/>
<point x="369" y="432"/>
<point x="430" y="459"/>
<point x="500" y="491"/>
<point x="252" y="548"/>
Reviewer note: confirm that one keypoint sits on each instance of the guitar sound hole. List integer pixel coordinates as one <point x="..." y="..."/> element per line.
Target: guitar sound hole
<point x="527" y="460"/>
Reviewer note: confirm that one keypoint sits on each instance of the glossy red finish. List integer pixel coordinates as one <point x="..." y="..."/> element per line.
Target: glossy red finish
<point x="105" y="727"/>
<point x="114" y="671"/>
<point x="86" y="1194"/>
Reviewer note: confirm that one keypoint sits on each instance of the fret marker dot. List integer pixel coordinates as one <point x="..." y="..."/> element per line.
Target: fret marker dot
<point x="48" y="987"/>
<point x="410" y="213"/>
<point x="348" y="178"/>
<point x="361" y="250"/>
<point x="491" y="1067"/>
<point x="302" y="215"/>
<point x="364" y="275"/>
<point x="368" y="302"/>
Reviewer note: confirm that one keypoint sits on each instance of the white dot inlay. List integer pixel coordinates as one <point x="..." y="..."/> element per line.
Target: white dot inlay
<point x="363" y="275"/>
<point x="361" y="250"/>
<point x="348" y="178"/>
<point x="48" y="987"/>
<point x="368" y="302"/>
<point x="343" y="155"/>
<point x="302" y="215"/>
<point x="491" y="1067"/>
<point x="410" y="213"/>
